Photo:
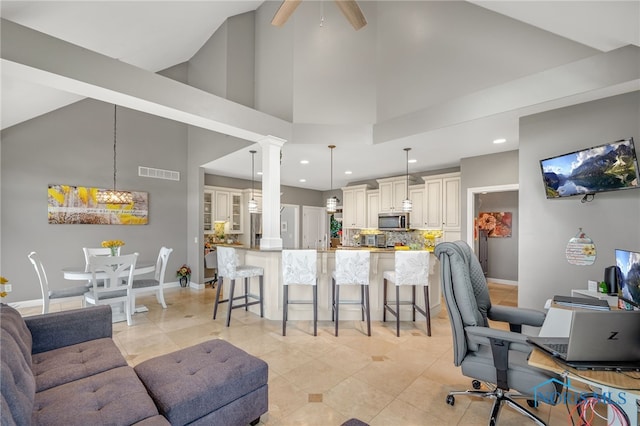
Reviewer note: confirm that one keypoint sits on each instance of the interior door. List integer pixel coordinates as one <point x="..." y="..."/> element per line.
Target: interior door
<point x="314" y="227"/>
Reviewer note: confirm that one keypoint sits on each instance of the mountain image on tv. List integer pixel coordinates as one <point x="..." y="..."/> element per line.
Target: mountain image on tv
<point x="603" y="168"/>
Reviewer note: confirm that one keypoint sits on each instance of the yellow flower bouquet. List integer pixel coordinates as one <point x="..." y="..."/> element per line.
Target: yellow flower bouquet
<point x="113" y="245"/>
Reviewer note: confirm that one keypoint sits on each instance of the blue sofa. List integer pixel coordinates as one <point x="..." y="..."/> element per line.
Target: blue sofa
<point x="63" y="368"/>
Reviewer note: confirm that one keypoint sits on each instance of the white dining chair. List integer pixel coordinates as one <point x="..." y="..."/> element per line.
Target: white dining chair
<point x="118" y="281"/>
<point x="155" y="284"/>
<point x="96" y="251"/>
<point x="411" y="269"/>
<point x="352" y="268"/>
<point x="299" y="267"/>
<point x="75" y="292"/>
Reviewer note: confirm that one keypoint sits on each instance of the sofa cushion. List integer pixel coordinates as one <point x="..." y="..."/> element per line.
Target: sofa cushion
<point x="193" y="382"/>
<point x="60" y="366"/>
<point x="115" y="397"/>
<point x="17" y="384"/>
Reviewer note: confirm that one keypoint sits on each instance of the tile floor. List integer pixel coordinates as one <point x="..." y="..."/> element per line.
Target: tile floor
<point x="325" y="380"/>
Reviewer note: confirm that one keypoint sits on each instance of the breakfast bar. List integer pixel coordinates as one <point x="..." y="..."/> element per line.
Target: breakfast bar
<point x="381" y="260"/>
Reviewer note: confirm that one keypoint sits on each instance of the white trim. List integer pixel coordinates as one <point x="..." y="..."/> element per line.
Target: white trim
<point x="501" y="281"/>
<point x="471" y="192"/>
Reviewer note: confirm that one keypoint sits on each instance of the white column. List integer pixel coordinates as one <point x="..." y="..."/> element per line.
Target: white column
<point x="271" y="148"/>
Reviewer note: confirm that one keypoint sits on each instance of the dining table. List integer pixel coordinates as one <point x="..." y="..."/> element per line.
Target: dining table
<point x="80" y="273"/>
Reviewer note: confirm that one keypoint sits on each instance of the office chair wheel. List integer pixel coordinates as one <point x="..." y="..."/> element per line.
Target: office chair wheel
<point x="531" y="403"/>
<point x="451" y="400"/>
<point x="476" y="384"/>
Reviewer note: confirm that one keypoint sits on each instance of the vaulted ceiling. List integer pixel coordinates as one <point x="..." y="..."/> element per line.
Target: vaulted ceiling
<point x="455" y="113"/>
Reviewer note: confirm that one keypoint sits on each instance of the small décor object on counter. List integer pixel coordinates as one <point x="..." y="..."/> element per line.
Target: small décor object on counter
<point x="431" y="239"/>
<point x="184" y="273"/>
<point x="3" y="292"/>
<point x="113" y="245"/>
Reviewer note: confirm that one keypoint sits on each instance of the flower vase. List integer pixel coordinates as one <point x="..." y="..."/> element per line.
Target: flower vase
<point x="114" y="251"/>
<point x="184" y="280"/>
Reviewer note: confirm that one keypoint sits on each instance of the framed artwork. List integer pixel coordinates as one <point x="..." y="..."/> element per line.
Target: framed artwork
<point x="497" y="224"/>
<point x="68" y="204"/>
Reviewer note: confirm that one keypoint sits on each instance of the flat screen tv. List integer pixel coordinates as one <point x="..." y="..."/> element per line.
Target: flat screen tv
<point x="628" y="263"/>
<point x="607" y="167"/>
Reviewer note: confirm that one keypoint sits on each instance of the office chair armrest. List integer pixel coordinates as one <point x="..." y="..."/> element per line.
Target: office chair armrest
<point x="516" y="316"/>
<point x="481" y="336"/>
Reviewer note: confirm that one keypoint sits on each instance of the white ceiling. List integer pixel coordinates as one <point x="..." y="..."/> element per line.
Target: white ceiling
<point x="155" y="35"/>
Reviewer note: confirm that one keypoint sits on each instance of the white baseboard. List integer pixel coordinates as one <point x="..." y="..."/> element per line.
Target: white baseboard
<point x="500" y="281"/>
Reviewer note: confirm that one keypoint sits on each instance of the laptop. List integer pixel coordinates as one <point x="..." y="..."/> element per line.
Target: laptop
<point x="598" y="340"/>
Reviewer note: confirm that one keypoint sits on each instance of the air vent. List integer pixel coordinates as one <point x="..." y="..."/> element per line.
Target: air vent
<point x="158" y="173"/>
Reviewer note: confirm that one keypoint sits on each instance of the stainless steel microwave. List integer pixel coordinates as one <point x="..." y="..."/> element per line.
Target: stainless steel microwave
<point x="393" y="221"/>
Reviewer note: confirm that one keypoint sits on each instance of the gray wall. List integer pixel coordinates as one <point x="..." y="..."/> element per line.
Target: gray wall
<point x="74" y="145"/>
<point x="485" y="170"/>
<point x="611" y="219"/>
<point x="503" y="252"/>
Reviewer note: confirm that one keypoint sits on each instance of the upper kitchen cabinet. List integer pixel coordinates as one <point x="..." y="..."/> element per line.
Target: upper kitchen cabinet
<point x="222" y="204"/>
<point x="373" y="208"/>
<point x="417" y="218"/>
<point x="442" y="204"/>
<point x="354" y="206"/>
<point x="392" y="192"/>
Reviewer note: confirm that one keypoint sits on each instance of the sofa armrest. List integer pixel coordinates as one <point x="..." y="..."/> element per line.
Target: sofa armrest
<point x="59" y="329"/>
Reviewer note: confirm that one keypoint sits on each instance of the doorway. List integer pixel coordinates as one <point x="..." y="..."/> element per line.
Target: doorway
<point x="314" y="227"/>
<point x="290" y="226"/>
<point x="502" y="252"/>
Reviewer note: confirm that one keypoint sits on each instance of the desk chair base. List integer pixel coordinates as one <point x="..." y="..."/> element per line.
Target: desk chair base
<point x="396" y="313"/>
<point x="364" y="305"/>
<point x="245" y="297"/>
<point x="500" y="397"/>
<point x="287" y="302"/>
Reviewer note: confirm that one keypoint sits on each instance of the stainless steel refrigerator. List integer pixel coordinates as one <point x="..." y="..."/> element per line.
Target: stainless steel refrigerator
<point x="256" y="230"/>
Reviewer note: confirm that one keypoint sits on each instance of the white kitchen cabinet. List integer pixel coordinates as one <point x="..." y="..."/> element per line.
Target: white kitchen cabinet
<point x="222" y="204"/>
<point x="392" y="192"/>
<point x="373" y="208"/>
<point x="442" y="204"/>
<point x="416" y="217"/>
<point x="354" y="207"/>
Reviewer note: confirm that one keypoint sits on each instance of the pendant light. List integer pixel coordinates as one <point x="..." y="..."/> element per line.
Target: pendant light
<point x="406" y="203"/>
<point x="253" y="205"/>
<point x="113" y="196"/>
<point x="332" y="202"/>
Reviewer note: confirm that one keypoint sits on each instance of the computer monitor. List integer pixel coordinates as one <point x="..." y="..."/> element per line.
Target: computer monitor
<point x="628" y="263"/>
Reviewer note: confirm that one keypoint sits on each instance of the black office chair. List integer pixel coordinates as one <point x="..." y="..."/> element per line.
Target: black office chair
<point x="211" y="262"/>
<point x="496" y="357"/>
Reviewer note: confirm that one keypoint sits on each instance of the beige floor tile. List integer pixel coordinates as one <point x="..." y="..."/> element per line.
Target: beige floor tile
<point x="401" y="413"/>
<point x="389" y="376"/>
<point x="315" y="414"/>
<point x="284" y="397"/>
<point x="355" y="398"/>
<point x="316" y="376"/>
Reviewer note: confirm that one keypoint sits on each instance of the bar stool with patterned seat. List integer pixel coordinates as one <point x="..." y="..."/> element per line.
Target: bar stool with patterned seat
<point x="411" y="269"/>
<point x="352" y="268"/>
<point x="228" y="268"/>
<point x="299" y="267"/>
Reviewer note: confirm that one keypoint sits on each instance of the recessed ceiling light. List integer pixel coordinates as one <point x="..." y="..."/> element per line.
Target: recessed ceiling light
<point x="348" y="172"/>
<point x="259" y="173"/>
<point x="413" y="160"/>
<point x="303" y="180"/>
<point x="501" y="140"/>
<point x="304" y="161"/>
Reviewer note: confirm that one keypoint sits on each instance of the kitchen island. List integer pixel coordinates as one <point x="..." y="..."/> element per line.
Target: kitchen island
<point x="381" y="260"/>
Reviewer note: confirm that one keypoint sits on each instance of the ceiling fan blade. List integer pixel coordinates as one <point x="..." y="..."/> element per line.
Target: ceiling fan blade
<point x="284" y="12"/>
<point x="352" y="12"/>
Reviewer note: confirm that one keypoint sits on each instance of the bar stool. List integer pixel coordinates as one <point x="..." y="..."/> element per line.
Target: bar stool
<point x="352" y="268"/>
<point x="411" y="269"/>
<point x="228" y="268"/>
<point x="299" y="267"/>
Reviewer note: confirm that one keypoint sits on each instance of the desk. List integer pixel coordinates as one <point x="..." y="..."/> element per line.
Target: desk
<point x="79" y="273"/>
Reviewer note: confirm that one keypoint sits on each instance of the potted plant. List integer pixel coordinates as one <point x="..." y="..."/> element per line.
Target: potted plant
<point x="184" y="273"/>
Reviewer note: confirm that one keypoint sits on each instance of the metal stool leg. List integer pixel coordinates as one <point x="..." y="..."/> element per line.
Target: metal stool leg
<point x="215" y="304"/>
<point x="368" y="310"/>
<point x="315" y="309"/>
<point x="285" y="301"/>
<point x="246" y="293"/>
<point x="397" y="310"/>
<point x="230" y="307"/>
<point x="427" y="309"/>
<point x="337" y="305"/>
<point x="261" y="293"/>
<point x="362" y="302"/>
<point x="333" y="299"/>
<point x="413" y="301"/>
<point x="384" y="300"/>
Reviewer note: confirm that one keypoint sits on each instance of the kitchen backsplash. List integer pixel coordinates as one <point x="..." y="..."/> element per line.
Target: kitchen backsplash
<point x="423" y="238"/>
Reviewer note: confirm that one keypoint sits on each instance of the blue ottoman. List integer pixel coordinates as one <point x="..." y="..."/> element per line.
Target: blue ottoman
<point x="213" y="383"/>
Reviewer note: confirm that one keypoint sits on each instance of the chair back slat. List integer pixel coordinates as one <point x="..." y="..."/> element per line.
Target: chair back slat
<point x="117" y="269"/>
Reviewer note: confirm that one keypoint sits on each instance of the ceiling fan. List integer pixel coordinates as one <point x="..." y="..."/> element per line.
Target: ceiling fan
<point x="349" y="9"/>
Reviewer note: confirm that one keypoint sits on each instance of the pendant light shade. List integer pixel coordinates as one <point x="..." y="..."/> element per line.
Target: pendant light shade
<point x="332" y="202"/>
<point x="253" y="205"/>
<point x="406" y="203"/>
<point x="113" y="196"/>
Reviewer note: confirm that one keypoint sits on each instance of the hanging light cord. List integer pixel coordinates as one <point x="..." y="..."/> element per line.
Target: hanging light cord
<point x="115" y="121"/>
<point x="331" y="176"/>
